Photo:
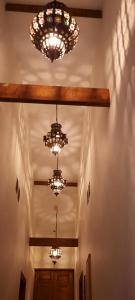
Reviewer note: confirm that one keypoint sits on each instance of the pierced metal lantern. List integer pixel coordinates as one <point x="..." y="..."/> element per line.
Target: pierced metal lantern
<point x="57" y="183"/>
<point x="54" y="31"/>
<point x="55" y="254"/>
<point x="55" y="139"/>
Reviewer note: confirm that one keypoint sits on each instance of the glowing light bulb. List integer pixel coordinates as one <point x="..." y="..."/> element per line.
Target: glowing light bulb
<point x="55" y="149"/>
<point x="54" y="42"/>
<point x="57" y="183"/>
<point x="55" y="252"/>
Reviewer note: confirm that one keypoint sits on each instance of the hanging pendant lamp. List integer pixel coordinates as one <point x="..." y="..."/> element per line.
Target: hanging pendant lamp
<point x="55" y="139"/>
<point x="55" y="252"/>
<point x="57" y="182"/>
<point x="54" y="32"/>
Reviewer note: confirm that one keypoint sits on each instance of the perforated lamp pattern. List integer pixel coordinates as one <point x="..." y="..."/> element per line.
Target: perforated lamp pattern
<point x="57" y="183"/>
<point x="55" y="254"/>
<point x="55" y="139"/>
<point x="54" y="31"/>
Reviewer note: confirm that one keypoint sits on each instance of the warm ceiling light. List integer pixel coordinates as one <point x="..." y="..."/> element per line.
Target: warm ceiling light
<point x="55" y="252"/>
<point x="57" y="183"/>
<point x="54" y="31"/>
<point x="55" y="139"/>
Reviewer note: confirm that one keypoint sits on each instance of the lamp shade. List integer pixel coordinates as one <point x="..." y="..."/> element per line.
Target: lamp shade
<point x="54" y="32"/>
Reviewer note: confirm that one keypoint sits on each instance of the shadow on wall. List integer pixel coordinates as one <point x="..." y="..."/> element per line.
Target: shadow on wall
<point x="107" y="224"/>
<point x="49" y="76"/>
<point x="120" y="71"/>
<point x="120" y="67"/>
<point x="40" y="124"/>
<point x="75" y="69"/>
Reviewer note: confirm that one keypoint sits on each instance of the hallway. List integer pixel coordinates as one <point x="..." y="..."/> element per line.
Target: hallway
<point x="97" y="207"/>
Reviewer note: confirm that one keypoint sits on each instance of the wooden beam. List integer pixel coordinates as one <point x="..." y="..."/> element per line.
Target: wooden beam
<point x="59" y="242"/>
<point x="30" y="8"/>
<point x="40" y="94"/>
<point x="45" y="182"/>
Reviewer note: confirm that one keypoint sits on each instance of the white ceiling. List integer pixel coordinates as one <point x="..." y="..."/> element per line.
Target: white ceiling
<point x="43" y="162"/>
<point x="44" y="214"/>
<point x="75" y="69"/>
<point x="40" y="118"/>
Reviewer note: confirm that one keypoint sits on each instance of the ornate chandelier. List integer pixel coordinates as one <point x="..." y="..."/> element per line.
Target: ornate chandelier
<point x="55" y="252"/>
<point x="57" y="182"/>
<point x="55" y="139"/>
<point x="54" y="32"/>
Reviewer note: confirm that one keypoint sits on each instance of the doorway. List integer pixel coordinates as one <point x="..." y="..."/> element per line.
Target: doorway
<point x="55" y="284"/>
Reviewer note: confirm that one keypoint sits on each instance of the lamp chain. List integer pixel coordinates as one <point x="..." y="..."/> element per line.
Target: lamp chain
<point x="56" y="113"/>
<point x="57" y="163"/>
<point x="56" y="223"/>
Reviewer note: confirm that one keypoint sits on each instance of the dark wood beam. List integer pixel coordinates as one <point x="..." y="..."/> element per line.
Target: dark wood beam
<point x="40" y="94"/>
<point x="45" y="182"/>
<point x="30" y="8"/>
<point x="59" y="242"/>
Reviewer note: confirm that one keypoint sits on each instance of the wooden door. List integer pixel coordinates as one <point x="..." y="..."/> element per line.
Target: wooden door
<point x="54" y="284"/>
<point x="22" y="287"/>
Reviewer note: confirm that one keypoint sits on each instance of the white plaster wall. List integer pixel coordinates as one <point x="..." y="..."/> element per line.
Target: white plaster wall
<point x="3" y="44"/>
<point x="107" y="223"/>
<point x="77" y="68"/>
<point x="14" y="163"/>
<point x="14" y="215"/>
<point x="7" y="53"/>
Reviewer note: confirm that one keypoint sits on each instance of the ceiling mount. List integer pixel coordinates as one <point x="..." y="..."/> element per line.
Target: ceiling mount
<point x="30" y="8"/>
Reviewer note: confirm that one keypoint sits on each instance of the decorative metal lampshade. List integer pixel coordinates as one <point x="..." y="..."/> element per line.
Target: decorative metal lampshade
<point x="55" y="252"/>
<point x="54" y="31"/>
<point x="57" y="182"/>
<point x="55" y="139"/>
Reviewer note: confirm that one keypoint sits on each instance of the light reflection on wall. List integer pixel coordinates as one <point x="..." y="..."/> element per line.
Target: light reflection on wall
<point x="43" y="217"/>
<point x="117" y="54"/>
<point x="40" y="120"/>
<point x="108" y="221"/>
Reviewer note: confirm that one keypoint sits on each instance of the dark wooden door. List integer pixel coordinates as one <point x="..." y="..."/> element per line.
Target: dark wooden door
<point x="54" y="284"/>
<point x="22" y="287"/>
